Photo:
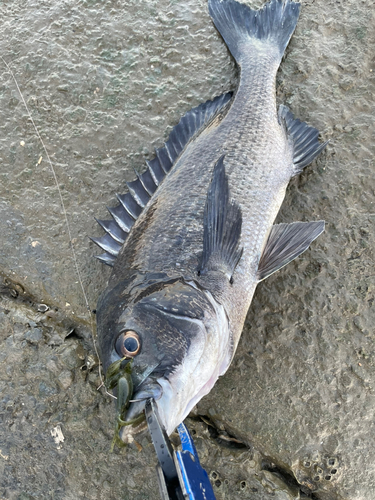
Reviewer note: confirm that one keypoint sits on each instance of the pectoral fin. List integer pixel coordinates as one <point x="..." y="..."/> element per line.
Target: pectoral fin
<point x="285" y="243"/>
<point x="222" y="227"/>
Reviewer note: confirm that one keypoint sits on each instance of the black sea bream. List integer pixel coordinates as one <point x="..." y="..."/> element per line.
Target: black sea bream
<point x="194" y="235"/>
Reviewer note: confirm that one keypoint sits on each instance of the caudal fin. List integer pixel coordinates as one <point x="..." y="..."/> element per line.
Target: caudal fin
<point x="239" y="25"/>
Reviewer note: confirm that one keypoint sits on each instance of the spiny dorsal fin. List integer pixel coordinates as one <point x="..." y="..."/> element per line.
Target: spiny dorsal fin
<point x="222" y="227"/>
<point x="285" y="243"/>
<point x="306" y="146"/>
<point x="140" y="191"/>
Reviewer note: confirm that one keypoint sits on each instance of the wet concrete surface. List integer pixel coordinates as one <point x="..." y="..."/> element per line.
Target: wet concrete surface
<point x="105" y="82"/>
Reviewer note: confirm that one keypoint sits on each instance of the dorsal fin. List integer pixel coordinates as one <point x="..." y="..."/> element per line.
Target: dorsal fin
<point x="140" y="191"/>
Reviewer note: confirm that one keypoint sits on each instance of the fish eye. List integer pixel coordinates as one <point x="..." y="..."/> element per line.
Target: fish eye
<point x="128" y="344"/>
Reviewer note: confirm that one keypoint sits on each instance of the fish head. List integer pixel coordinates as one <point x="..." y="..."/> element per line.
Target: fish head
<point x="176" y="339"/>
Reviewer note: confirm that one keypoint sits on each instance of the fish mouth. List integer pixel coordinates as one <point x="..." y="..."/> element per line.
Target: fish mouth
<point x="134" y="421"/>
<point x="132" y="393"/>
<point x="131" y="421"/>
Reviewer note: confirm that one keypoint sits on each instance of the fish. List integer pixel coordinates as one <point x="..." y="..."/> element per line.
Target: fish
<point x="194" y="234"/>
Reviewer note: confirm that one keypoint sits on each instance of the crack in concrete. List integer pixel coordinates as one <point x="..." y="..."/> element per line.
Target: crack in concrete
<point x="225" y="438"/>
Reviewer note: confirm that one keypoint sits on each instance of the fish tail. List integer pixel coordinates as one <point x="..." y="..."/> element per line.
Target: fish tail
<point x="241" y="26"/>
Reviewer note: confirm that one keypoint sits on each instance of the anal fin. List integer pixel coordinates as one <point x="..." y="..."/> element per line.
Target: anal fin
<point x="285" y="243"/>
<point x="222" y="227"/>
<point x="306" y="146"/>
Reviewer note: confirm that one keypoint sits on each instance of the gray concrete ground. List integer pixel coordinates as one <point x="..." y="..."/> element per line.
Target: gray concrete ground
<point x="105" y="82"/>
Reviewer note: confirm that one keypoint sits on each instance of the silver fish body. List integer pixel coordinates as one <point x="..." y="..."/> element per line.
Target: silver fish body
<point x="185" y="276"/>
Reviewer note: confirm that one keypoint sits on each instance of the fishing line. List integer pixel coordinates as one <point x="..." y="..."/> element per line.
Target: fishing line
<point x="74" y="256"/>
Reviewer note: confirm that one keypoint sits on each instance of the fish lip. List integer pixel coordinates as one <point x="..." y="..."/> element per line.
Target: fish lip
<point x="150" y="388"/>
<point x="131" y="391"/>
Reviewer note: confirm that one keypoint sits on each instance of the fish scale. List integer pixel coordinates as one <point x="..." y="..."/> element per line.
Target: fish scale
<point x="187" y="210"/>
<point x="201" y="241"/>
